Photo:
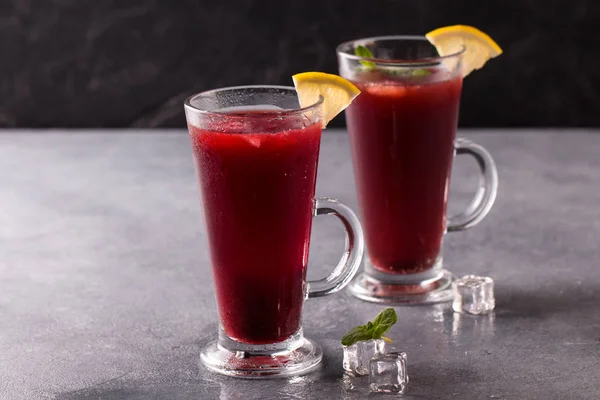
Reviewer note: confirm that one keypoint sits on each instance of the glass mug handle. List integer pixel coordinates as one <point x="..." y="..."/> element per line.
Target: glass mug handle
<point x="486" y="190"/>
<point x="353" y="254"/>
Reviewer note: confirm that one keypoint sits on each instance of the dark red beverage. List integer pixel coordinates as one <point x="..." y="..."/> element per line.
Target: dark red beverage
<point x="258" y="190"/>
<point x="402" y="137"/>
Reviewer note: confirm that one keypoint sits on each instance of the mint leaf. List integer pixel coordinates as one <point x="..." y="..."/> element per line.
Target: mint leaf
<point x="384" y="321"/>
<point x="420" y="72"/>
<point x="372" y="329"/>
<point x="362" y="51"/>
<point x="356" y="334"/>
<point x="404" y="72"/>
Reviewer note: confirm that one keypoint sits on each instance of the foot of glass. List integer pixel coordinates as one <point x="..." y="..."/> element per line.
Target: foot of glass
<point x="433" y="289"/>
<point x="245" y="364"/>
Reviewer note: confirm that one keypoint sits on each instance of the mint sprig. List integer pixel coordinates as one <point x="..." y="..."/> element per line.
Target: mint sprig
<point x="404" y="72"/>
<point x="362" y="51"/>
<point x="420" y="72"/>
<point x="373" y="329"/>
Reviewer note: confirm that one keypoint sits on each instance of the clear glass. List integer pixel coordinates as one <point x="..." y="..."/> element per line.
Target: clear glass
<point x="256" y="154"/>
<point x="402" y="132"/>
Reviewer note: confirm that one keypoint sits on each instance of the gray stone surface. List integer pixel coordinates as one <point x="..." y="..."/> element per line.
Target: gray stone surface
<point x="106" y="291"/>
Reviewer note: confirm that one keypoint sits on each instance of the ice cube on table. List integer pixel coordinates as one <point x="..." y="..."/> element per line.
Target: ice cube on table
<point x="358" y="355"/>
<point x="387" y="373"/>
<point x="473" y="294"/>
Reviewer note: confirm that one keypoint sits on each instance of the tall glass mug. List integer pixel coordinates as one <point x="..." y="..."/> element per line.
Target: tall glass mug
<point x="402" y="133"/>
<point x="256" y="154"/>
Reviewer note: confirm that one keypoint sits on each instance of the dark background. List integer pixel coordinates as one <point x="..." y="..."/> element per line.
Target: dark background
<point x="131" y="63"/>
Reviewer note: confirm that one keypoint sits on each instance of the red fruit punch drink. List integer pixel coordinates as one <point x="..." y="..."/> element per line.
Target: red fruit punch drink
<point x="256" y="153"/>
<point x="402" y="133"/>
<point x="258" y="191"/>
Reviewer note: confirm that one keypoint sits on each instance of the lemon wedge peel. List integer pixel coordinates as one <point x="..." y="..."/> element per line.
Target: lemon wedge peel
<point x="336" y="91"/>
<point x="479" y="47"/>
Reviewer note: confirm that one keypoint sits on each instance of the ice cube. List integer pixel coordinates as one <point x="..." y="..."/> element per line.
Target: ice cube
<point x="254" y="140"/>
<point x="387" y="373"/>
<point x="473" y="294"/>
<point x="386" y="90"/>
<point x="358" y="355"/>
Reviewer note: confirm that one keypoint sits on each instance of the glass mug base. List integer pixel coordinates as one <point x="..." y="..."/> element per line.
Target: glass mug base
<point x="433" y="286"/>
<point x="260" y="362"/>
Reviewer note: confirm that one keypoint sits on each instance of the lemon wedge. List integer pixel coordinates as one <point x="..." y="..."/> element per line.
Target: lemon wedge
<point x="337" y="92"/>
<point x="479" y="47"/>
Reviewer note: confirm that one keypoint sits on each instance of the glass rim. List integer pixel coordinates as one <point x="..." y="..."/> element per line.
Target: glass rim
<point x="279" y="113"/>
<point x="398" y="38"/>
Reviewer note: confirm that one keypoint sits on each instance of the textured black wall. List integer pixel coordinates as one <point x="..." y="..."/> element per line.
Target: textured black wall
<point x="119" y="63"/>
